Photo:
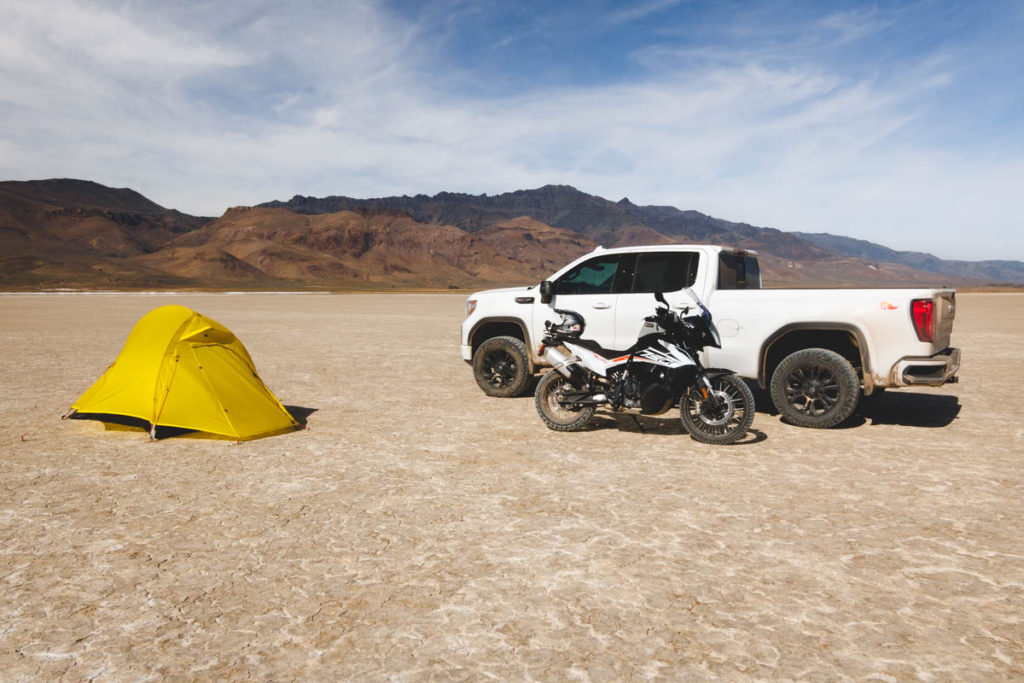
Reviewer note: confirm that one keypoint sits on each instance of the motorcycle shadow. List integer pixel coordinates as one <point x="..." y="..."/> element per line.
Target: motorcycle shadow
<point x="664" y="425"/>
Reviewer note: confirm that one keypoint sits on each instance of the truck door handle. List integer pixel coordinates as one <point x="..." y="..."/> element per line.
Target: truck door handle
<point x="602" y="305"/>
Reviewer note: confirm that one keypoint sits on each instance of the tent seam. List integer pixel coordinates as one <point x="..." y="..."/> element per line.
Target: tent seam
<point x="168" y="351"/>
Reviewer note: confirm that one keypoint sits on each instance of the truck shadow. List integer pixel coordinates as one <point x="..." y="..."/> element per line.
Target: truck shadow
<point x="893" y="407"/>
<point x="907" y="409"/>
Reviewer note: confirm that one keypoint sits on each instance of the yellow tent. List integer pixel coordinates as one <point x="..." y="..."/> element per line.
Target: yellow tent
<point x="181" y="369"/>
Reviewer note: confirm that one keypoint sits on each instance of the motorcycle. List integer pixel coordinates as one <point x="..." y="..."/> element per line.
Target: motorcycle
<point x="661" y="370"/>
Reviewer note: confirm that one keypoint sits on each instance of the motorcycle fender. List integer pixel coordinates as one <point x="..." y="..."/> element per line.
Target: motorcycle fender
<point x="711" y="373"/>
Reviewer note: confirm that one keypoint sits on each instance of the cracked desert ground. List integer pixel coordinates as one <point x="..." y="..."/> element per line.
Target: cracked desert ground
<point x="419" y="530"/>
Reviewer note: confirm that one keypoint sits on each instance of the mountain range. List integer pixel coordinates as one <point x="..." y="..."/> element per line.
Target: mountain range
<point x="79" y="234"/>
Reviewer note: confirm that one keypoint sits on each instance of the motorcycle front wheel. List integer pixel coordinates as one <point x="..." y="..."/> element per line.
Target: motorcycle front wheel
<point x="550" y="406"/>
<point x="721" y="423"/>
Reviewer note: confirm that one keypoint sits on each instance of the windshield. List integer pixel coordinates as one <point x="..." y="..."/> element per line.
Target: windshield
<point x="696" y="299"/>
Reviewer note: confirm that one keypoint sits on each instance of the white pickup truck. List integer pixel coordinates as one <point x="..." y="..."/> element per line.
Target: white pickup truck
<point x="816" y="350"/>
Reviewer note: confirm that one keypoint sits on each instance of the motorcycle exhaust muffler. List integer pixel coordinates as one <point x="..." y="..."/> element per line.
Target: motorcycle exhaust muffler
<point x="559" y="361"/>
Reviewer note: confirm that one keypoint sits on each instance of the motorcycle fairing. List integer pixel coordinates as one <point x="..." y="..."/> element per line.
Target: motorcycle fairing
<point x="660" y="352"/>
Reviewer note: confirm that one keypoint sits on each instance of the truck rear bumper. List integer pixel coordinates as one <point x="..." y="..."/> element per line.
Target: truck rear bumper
<point x="930" y="371"/>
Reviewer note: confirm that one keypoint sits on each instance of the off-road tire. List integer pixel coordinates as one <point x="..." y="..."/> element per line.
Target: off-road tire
<point x="727" y="428"/>
<point x="501" y="367"/>
<point x="815" y="388"/>
<point x="556" y="416"/>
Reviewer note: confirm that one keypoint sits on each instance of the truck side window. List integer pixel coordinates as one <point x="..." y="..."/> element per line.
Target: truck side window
<point x="738" y="271"/>
<point x="665" y="271"/>
<point x="596" y="276"/>
<point x="753" y="273"/>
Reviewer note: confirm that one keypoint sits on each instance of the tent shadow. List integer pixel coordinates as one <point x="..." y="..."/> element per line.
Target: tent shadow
<point x="300" y="414"/>
<point x="125" y="423"/>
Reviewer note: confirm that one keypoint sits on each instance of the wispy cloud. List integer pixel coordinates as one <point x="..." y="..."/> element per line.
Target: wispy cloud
<point x="640" y="10"/>
<point x="856" y="24"/>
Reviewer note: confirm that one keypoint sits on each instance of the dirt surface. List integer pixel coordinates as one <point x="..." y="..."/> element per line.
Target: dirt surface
<point x="420" y="530"/>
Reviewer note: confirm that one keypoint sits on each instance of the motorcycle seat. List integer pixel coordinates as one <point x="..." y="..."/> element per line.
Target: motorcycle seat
<point x="592" y="345"/>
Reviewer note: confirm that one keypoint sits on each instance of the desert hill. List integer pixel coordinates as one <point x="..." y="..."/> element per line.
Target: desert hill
<point x="351" y="250"/>
<point x="72" y="232"/>
<point x="988" y="271"/>
<point x="82" y="235"/>
<point x="620" y="223"/>
<point x="79" y="234"/>
<point x="560" y="206"/>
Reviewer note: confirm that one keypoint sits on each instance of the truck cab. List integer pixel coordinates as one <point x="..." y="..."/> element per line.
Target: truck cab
<point x="612" y="288"/>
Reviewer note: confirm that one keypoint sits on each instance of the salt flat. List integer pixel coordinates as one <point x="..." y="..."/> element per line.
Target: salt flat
<point x="420" y="530"/>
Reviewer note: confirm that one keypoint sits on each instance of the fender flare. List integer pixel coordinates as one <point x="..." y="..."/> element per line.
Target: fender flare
<point x="518" y="322"/>
<point x="853" y="330"/>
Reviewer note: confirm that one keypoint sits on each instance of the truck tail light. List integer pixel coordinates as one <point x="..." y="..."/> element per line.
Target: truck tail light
<point x="922" y="311"/>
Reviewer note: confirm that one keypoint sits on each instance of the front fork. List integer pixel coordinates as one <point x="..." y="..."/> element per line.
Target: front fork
<point x="707" y="393"/>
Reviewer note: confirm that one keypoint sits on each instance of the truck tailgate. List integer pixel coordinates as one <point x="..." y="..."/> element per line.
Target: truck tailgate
<point x="945" y="311"/>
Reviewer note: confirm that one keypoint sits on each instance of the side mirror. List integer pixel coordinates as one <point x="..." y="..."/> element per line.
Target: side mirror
<point x="658" y="296"/>
<point x="546" y="291"/>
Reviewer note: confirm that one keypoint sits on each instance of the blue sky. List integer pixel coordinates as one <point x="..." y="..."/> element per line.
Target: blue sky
<point x="897" y="122"/>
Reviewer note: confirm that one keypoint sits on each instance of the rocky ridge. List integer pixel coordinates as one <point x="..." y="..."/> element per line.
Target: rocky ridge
<point x="83" y="235"/>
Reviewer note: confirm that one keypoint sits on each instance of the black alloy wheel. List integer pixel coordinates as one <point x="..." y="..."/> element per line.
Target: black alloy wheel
<point x="501" y="367"/>
<point x="815" y="388"/>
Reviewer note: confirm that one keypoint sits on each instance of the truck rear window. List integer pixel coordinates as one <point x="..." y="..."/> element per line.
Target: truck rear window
<point x="738" y="271"/>
<point x="665" y="271"/>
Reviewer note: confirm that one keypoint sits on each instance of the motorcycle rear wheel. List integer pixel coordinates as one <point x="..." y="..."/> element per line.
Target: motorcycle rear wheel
<point x="726" y="425"/>
<point x="556" y="416"/>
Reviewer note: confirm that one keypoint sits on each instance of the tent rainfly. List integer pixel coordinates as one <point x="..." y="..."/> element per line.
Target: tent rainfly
<point x="181" y="369"/>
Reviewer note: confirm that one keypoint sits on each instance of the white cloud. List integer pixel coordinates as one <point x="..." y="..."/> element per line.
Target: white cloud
<point x="64" y="33"/>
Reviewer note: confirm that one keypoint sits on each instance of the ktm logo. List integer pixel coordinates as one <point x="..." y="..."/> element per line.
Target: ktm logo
<point x="886" y="306"/>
